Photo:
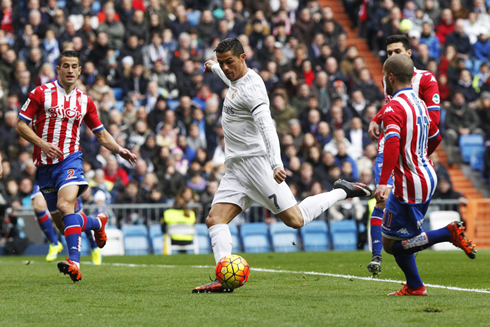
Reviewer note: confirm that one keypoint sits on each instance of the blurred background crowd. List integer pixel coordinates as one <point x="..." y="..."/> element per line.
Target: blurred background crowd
<point x="142" y="65"/>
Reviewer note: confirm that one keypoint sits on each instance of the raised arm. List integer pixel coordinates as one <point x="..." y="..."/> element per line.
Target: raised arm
<point x="211" y="66"/>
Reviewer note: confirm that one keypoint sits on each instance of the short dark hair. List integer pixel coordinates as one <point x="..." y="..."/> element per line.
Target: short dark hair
<point x="401" y="66"/>
<point x="230" y="44"/>
<point x="398" y="38"/>
<point x="70" y="54"/>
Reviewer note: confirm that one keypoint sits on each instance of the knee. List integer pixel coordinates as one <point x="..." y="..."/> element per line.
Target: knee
<point x="38" y="207"/>
<point x="65" y="207"/>
<point x="212" y="220"/>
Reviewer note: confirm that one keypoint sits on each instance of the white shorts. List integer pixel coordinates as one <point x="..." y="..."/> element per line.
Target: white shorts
<point x="249" y="180"/>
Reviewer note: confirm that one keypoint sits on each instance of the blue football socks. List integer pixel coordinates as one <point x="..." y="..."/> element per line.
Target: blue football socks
<point x="376" y="237"/>
<point x="46" y="224"/>
<point x="73" y="235"/>
<point x="409" y="267"/>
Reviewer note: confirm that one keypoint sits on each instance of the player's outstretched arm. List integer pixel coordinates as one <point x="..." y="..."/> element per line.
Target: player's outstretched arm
<point x="51" y="150"/>
<point x="108" y="142"/>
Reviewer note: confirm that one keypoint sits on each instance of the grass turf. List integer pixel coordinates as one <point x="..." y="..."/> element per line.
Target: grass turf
<point x="154" y="295"/>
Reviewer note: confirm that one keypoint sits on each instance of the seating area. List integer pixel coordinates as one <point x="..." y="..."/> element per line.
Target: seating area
<point x="249" y="237"/>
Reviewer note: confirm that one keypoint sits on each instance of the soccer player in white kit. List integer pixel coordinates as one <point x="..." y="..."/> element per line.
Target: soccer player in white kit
<point x="254" y="169"/>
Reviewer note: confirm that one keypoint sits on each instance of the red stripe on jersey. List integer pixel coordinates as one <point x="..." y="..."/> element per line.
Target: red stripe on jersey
<point x="51" y="121"/>
<point x="415" y="177"/>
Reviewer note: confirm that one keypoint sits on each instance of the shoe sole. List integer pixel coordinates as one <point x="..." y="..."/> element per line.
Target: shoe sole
<point x="63" y="268"/>
<point x="472" y="254"/>
<point x="374" y="268"/>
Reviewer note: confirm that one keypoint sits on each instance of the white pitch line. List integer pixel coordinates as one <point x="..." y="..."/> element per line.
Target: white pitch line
<point x="314" y="273"/>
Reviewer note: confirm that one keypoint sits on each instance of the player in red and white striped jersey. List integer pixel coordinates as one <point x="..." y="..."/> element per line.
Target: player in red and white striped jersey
<point x="425" y="85"/>
<point x="56" y="112"/>
<point x="57" y="118"/>
<point x="411" y="136"/>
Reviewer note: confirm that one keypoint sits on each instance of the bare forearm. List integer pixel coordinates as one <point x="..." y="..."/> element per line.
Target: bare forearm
<point x="108" y="141"/>
<point x="27" y="133"/>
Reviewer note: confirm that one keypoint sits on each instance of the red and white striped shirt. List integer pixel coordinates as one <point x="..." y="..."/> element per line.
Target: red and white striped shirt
<point x="57" y="118"/>
<point x="407" y="118"/>
<point x="424" y="83"/>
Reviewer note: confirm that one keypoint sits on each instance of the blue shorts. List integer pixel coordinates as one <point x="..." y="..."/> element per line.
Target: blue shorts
<point x="52" y="178"/>
<point x="402" y="220"/>
<point x="78" y="206"/>
<point x="35" y="191"/>
<point x="378" y="165"/>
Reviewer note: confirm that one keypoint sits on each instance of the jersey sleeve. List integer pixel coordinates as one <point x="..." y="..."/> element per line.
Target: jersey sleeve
<point x="392" y="120"/>
<point x="256" y="98"/>
<point x="429" y="92"/>
<point x="92" y="118"/>
<point x="32" y="104"/>
<point x="217" y="70"/>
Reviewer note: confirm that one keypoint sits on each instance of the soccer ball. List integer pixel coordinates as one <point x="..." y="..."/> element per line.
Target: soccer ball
<point x="232" y="271"/>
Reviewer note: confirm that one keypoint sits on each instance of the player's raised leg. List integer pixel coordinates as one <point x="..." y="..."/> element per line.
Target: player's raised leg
<point x="313" y="206"/>
<point x="217" y="221"/>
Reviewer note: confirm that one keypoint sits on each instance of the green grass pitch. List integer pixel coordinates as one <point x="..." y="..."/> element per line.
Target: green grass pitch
<point x="156" y="291"/>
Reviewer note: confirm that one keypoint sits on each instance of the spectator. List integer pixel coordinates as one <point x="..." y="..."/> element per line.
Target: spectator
<point x="369" y="90"/>
<point x="446" y="25"/>
<point x="445" y="191"/>
<point x="460" y="120"/>
<point x="429" y="38"/>
<point x="459" y="39"/>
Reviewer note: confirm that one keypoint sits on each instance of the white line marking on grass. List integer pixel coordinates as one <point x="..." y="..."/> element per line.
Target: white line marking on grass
<point x="313" y="273"/>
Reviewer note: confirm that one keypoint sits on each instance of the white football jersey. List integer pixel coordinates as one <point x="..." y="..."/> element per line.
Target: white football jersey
<point x="245" y="98"/>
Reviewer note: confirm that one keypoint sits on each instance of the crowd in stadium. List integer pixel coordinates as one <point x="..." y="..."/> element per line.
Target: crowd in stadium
<point x="143" y="67"/>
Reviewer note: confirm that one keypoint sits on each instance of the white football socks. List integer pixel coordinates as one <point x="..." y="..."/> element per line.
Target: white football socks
<point x="220" y="240"/>
<point x="313" y="206"/>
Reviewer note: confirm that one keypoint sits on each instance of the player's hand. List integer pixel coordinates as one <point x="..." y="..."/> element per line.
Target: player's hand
<point x="380" y="193"/>
<point x="51" y="150"/>
<point x="279" y="175"/>
<point x="373" y="131"/>
<point x="128" y="155"/>
<point x="207" y="66"/>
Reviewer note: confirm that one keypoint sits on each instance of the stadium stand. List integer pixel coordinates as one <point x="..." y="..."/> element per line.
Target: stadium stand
<point x="156" y="238"/>
<point x="203" y="240"/>
<point x="315" y="236"/>
<point x="135" y="239"/>
<point x="344" y="235"/>
<point x="255" y="237"/>
<point x="284" y="238"/>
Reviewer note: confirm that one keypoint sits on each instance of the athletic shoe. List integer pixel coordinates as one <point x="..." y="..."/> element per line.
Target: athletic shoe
<point x="353" y="189"/>
<point x="96" y="257"/>
<point x="100" y="235"/>
<point x="213" y="287"/>
<point x="70" y="268"/>
<point x="421" y="291"/>
<point x="458" y="238"/>
<point x="374" y="266"/>
<point x="53" y="251"/>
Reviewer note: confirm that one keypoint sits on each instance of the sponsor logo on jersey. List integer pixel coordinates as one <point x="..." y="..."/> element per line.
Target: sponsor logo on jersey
<point x="433" y="79"/>
<point x="26" y="104"/>
<point x="228" y="110"/>
<point x="389" y="109"/>
<point x="436" y="99"/>
<point x="48" y="190"/>
<point x="64" y="113"/>
<point x="233" y="95"/>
